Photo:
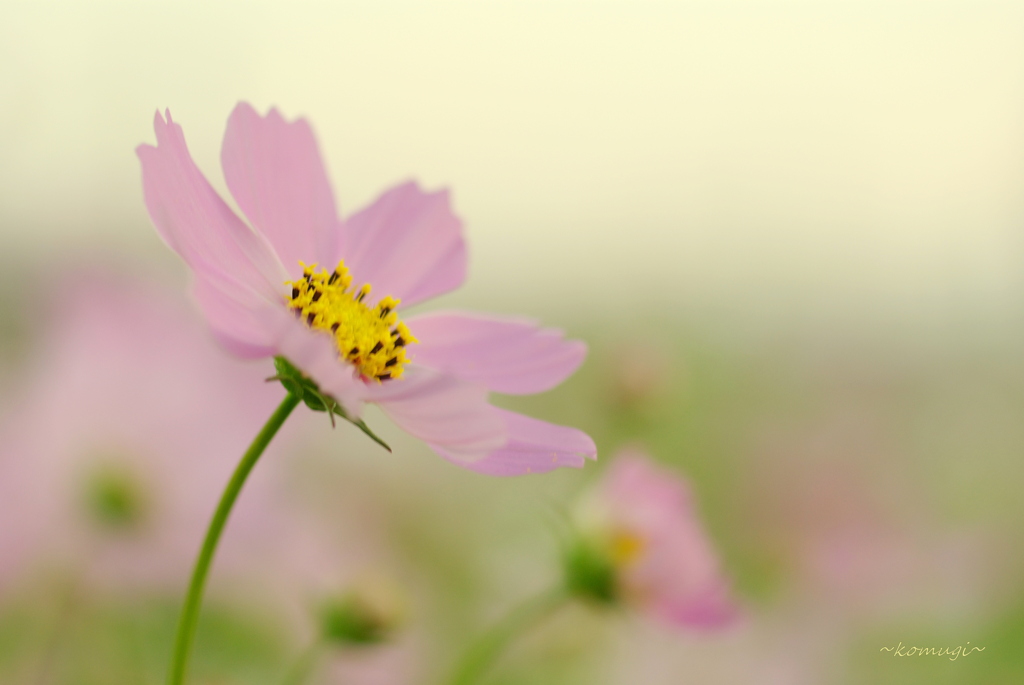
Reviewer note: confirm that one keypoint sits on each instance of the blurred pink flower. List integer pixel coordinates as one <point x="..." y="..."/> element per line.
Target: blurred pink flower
<point x="878" y="566"/>
<point x="115" y="453"/>
<point x="643" y="516"/>
<point x="261" y="299"/>
<point x="833" y="500"/>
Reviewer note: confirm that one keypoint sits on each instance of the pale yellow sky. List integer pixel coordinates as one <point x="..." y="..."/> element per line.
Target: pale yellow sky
<point x="857" y="155"/>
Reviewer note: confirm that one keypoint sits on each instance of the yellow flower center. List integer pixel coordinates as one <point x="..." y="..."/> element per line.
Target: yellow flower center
<point x="373" y="340"/>
<point x="626" y="547"/>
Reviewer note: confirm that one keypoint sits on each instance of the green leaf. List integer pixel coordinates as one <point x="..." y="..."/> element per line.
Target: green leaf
<point x="361" y="425"/>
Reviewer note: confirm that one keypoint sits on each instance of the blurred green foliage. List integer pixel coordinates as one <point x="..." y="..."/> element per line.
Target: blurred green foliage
<point x="934" y="429"/>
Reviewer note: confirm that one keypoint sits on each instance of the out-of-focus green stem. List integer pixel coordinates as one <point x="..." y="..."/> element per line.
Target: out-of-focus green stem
<point x="193" y="600"/>
<point x="489" y="647"/>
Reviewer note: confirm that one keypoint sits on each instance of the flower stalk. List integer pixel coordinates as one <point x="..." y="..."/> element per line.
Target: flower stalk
<point x="189" y="618"/>
<point x="489" y="647"/>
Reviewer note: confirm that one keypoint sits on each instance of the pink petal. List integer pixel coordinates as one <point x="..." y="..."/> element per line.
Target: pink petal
<point x="196" y="223"/>
<point x="242" y="327"/>
<point x="408" y="244"/>
<point x="273" y="169"/>
<point x="443" y="411"/>
<point x="710" y="608"/>
<point x="649" y="494"/>
<point x="533" y="446"/>
<point x="508" y="355"/>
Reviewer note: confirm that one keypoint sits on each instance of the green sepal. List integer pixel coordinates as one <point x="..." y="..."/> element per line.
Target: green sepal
<point x="115" y="498"/>
<point x="589" y="571"/>
<point x="348" y="621"/>
<point x="303" y="387"/>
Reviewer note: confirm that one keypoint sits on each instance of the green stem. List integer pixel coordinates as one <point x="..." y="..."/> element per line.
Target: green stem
<point x="489" y="647"/>
<point x="190" y="610"/>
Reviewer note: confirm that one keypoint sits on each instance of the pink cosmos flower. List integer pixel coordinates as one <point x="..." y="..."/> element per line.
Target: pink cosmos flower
<point x="643" y="519"/>
<point x="864" y="546"/>
<point x="131" y="418"/>
<point x="326" y="294"/>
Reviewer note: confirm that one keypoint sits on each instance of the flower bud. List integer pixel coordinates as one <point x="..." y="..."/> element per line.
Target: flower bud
<point x="115" y="499"/>
<point x="369" y="613"/>
<point x="589" y="571"/>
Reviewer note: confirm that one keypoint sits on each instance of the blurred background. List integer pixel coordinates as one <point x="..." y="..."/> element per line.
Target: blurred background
<point x="791" y="232"/>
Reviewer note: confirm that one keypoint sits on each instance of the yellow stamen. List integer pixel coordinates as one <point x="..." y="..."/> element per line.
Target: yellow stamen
<point x="373" y="340"/>
<point x="626" y="547"/>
